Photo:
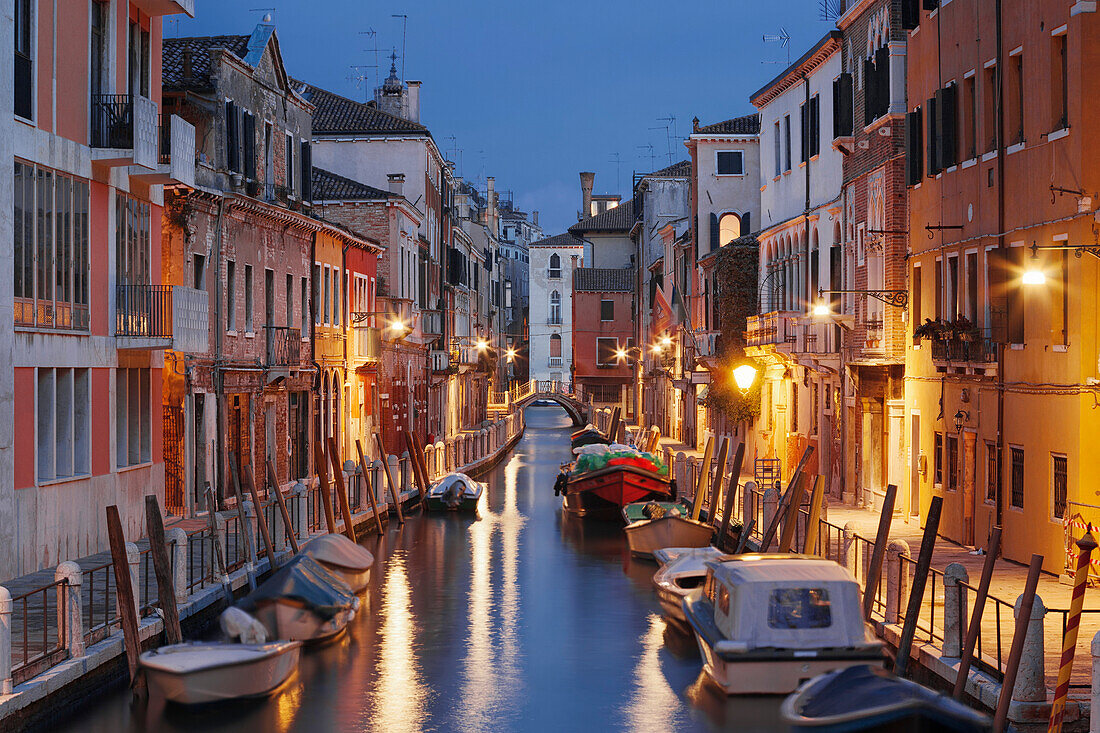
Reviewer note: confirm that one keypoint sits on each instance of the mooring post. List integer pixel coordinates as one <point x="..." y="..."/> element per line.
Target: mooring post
<point x="300" y="496"/>
<point x="123" y="557"/>
<point x="746" y="502"/>
<point x="1094" y="708"/>
<point x="771" y="506"/>
<point x="1031" y="683"/>
<point x="920" y="579"/>
<point x="954" y="609"/>
<point x="176" y="538"/>
<point x="848" y="551"/>
<point x="1085" y="546"/>
<point x="701" y="479"/>
<point x="369" y="486"/>
<point x="1023" y="612"/>
<point x="133" y="560"/>
<point x="248" y="526"/>
<point x="69" y="616"/>
<point x="993" y="548"/>
<point x="5" y="640"/>
<point x="897" y="578"/>
<point x="874" y="572"/>
<point x="162" y="567"/>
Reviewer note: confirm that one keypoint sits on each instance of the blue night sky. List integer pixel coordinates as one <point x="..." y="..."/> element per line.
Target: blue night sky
<point x="533" y="93"/>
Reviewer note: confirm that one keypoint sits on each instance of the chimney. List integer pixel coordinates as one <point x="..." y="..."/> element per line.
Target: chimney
<point x="187" y="63"/>
<point x="413" y="101"/>
<point x="397" y="183"/>
<point x="587" y="179"/>
<point x="535" y="217"/>
<point x="491" y="201"/>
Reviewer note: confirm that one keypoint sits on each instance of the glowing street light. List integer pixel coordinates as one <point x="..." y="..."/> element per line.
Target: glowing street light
<point x="821" y="308"/>
<point x="620" y="354"/>
<point x="744" y="376"/>
<point x="398" y="326"/>
<point x="510" y="354"/>
<point x="666" y="341"/>
<point x="481" y="344"/>
<point x="1034" y="274"/>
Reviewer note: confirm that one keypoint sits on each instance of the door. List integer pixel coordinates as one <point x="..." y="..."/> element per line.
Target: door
<point x="198" y="488"/>
<point x="914" y="466"/>
<point x="270" y="455"/>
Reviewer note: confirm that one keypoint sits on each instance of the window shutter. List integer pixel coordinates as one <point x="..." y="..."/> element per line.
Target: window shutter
<point x="882" y="72"/>
<point x="836" y="108"/>
<point x="910" y="14"/>
<point x="713" y="232"/>
<point x="306" y="162"/>
<point x="842" y="105"/>
<point x="802" y="123"/>
<point x="914" y="162"/>
<point x="231" y="161"/>
<point x="930" y="115"/>
<point x="997" y="264"/>
<point x="249" y="145"/>
<point x="948" y="111"/>
<point x="931" y="4"/>
<point x="746" y="223"/>
<point x="868" y="91"/>
<point x="815" y="125"/>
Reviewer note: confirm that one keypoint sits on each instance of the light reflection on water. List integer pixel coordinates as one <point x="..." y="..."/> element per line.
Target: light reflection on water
<point x="520" y="619"/>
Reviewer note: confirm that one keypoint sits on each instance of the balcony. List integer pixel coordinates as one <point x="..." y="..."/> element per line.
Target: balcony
<point x="958" y="349"/>
<point x="439" y="361"/>
<point x="166" y="7"/>
<point x="706" y="343"/>
<point x="162" y="317"/>
<point x="284" y="349"/>
<point x="555" y="362"/>
<point x="777" y="327"/>
<point x="431" y="323"/>
<point x="367" y="343"/>
<point x="176" y="161"/>
<point x="124" y="130"/>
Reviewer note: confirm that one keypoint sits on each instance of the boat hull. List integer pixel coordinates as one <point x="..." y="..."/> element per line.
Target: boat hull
<point x="648" y="535"/>
<point x="357" y="579"/>
<point x="292" y="622"/>
<point x="605" y="492"/>
<point x="256" y="677"/>
<point x="467" y="504"/>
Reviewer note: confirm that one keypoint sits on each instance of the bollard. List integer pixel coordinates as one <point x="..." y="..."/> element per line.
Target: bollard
<point x="429" y="461"/>
<point x="897" y="579"/>
<point x="299" y="497"/>
<point x="440" y="458"/>
<point x="391" y="460"/>
<point x="69" y="616"/>
<point x="404" y="463"/>
<point x="848" y="549"/>
<point x="680" y="471"/>
<point x="1030" y="681"/>
<point x="278" y="526"/>
<point x="380" y="495"/>
<point x="771" y="506"/>
<point x="133" y="559"/>
<point x="176" y="538"/>
<point x="746" y="502"/>
<point x="954" y="609"/>
<point x="249" y="530"/>
<point x="1094" y="709"/>
<point x="6" y="605"/>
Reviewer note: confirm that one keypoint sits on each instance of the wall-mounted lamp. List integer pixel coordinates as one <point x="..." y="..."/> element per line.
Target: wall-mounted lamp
<point x="962" y="416"/>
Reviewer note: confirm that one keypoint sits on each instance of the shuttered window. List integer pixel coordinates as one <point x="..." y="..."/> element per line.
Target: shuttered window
<point x="24" y="65"/>
<point x="910" y="14"/>
<point x="815" y="125"/>
<point x="946" y="125"/>
<point x="803" y="133"/>
<point x="1017" y="476"/>
<point x="249" y="153"/>
<point x="714" y="231"/>
<point x="607" y="310"/>
<point x="1061" y="489"/>
<point x="305" y="161"/>
<point x="842" y="105"/>
<point x="232" y="160"/>
<point x="914" y="148"/>
<point x="931" y="116"/>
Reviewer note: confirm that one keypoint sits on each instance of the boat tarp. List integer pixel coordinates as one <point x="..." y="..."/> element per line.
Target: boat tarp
<point x="303" y="580"/>
<point x="789" y="602"/>
<point x="456" y="482"/>
<point x="339" y="551"/>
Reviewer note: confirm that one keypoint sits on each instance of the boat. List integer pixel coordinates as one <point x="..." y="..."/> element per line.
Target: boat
<point x="455" y="492"/>
<point x="588" y="435"/>
<point x="344" y="558"/>
<point x="766" y="623"/>
<point x="302" y="601"/>
<point x="865" y="698"/>
<point x="682" y="570"/>
<point x="604" y="492"/>
<point x="203" y="672"/>
<point x="651" y="525"/>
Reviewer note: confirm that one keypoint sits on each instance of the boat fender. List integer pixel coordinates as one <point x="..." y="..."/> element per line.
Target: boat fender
<point x="673" y="489"/>
<point x="560" y="484"/>
<point x="727" y="646"/>
<point x="236" y="624"/>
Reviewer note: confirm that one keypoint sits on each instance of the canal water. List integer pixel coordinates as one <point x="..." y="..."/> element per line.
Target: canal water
<point x="520" y="619"/>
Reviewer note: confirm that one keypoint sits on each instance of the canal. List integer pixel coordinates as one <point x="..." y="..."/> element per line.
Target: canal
<point x="517" y="620"/>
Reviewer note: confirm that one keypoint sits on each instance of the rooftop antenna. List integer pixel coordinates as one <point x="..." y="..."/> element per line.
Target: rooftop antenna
<point x="371" y="33"/>
<point x="404" y="27"/>
<point x="669" y="127"/>
<point x="268" y="16"/>
<point x="783" y="39"/>
<point x="360" y="78"/>
<point x="617" y="160"/>
<point x="652" y="155"/>
<point x="829" y="10"/>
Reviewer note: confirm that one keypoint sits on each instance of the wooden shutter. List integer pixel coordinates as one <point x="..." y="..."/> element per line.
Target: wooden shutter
<point x="930" y="116"/>
<point x="249" y="145"/>
<point x="802" y="123"/>
<point x="231" y="159"/>
<point x="868" y="91"/>
<point x="713" y="232"/>
<point x="882" y="75"/>
<point x="910" y="14"/>
<point x="931" y="4"/>
<point x="815" y="125"/>
<point x="914" y="148"/>
<point x="306" y="161"/>
<point x="947" y="109"/>
<point x="746" y="223"/>
<point x="842" y="105"/>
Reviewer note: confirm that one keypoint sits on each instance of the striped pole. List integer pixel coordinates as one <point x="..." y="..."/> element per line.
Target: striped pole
<point x="1085" y="545"/>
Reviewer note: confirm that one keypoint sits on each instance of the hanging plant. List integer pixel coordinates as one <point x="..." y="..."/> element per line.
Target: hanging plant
<point x="736" y="273"/>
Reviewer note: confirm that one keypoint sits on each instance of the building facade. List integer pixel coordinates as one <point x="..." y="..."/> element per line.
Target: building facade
<point x="553" y="261"/>
<point x="603" y="335"/>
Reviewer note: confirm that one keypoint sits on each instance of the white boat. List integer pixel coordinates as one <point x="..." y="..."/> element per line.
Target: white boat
<point x="202" y="672"/>
<point x="455" y="492"/>
<point x="651" y="525"/>
<point x="766" y="623"/>
<point x="345" y="558"/>
<point x="302" y="601"/>
<point x="683" y="569"/>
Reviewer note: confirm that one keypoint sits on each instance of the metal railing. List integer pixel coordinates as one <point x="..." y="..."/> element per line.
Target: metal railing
<point x="776" y="327"/>
<point x="112" y="123"/>
<point x="972" y="349"/>
<point x="143" y="311"/>
<point x="284" y="346"/>
<point x="555" y="362"/>
<point x="38" y="636"/>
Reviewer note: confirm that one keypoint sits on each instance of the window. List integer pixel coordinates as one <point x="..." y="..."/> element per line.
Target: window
<point x="724" y="601"/>
<point x="555" y="309"/>
<point x="804" y="133"/>
<point x="968" y="132"/>
<point x="337" y="306"/>
<point x="992" y="481"/>
<point x="1015" y="295"/>
<point x="914" y="301"/>
<point x="939" y="288"/>
<point x="972" y="288"/>
<point x="952" y="287"/>
<point x="1015" y="109"/>
<point x="555" y="346"/>
<point x="1059" y="87"/>
<point x="132" y="251"/>
<point x="914" y="147"/>
<point x="814" y="123"/>
<point x="952" y="462"/>
<point x="606" y="347"/>
<point x="132" y="417"/>
<point x="876" y="88"/>
<point x="814" y="409"/>
<point x="1017" y="476"/>
<point x="787" y="142"/>
<point x="304" y="308"/>
<point x="989" y="108"/>
<point x="937" y="460"/>
<point x="327" y="319"/>
<point x="947" y="144"/>
<point x="289" y="301"/>
<point x="1059" y="485"/>
<point x="794" y="407"/>
<point x="730" y="163"/>
<point x="607" y="310"/>
<point x="778" y="150"/>
<point x="24" y="66"/>
<point x="799" y="608"/>
<point x="290" y="163"/>
<point x="198" y="271"/>
<point x="555" y="267"/>
<point x="63" y="423"/>
<point x="230" y="296"/>
<point x="317" y="292"/>
<point x="248" y="298"/>
<point x="729" y="228"/>
<point x="931" y="116"/>
<point x="843" y="105"/>
<point x="51" y="269"/>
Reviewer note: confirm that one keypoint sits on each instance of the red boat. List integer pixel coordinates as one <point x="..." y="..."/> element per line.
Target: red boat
<point x="605" y="492"/>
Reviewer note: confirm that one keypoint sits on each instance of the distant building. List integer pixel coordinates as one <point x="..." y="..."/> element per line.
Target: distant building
<point x="553" y="261"/>
<point x="603" y="335"/>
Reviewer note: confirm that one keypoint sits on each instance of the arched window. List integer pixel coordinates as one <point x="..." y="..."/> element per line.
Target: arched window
<point x="729" y="228"/>
<point x="555" y="307"/>
<point x="555" y="267"/>
<point x="555" y="345"/>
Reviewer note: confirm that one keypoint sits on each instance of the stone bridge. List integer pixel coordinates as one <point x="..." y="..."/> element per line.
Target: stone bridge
<point x="523" y="394"/>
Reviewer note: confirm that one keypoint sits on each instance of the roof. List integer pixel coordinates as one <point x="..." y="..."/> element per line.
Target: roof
<point x="618" y="219"/>
<point x="810" y="60"/>
<point x="328" y="186"/>
<point x="764" y="568"/>
<point x="745" y="125"/>
<point x="202" y="49"/>
<point x="559" y="240"/>
<point x="335" y="114"/>
<point x="676" y="170"/>
<point x="604" y="279"/>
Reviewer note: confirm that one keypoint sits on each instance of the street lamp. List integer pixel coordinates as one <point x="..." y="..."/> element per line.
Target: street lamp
<point x="1034" y="274"/>
<point x="744" y="376"/>
<point x="510" y="354"/>
<point x="821" y="308"/>
<point x="481" y="344"/>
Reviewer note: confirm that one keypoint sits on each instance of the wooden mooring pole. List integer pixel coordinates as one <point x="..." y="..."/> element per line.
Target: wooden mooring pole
<point x="701" y="481"/>
<point x="613" y="428"/>
<point x="731" y="494"/>
<point x="1085" y="546"/>
<point x="794" y="501"/>
<point x="125" y="597"/>
<point x="920" y="579"/>
<point x="265" y="533"/>
<point x="288" y="527"/>
<point x="420" y="469"/>
<point x="218" y="556"/>
<point x="809" y="544"/>
<point x="250" y="570"/>
<point x="369" y="486"/>
<point x="1027" y="602"/>
<point x="389" y="479"/>
<point x="992" y="550"/>
<point x="716" y="484"/>
<point x="321" y="463"/>
<point x="341" y="489"/>
<point x="162" y="567"/>
<point x="874" y="573"/>
<point x="773" y="525"/>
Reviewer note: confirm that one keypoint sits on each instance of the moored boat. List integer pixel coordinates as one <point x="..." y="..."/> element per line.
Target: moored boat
<point x="864" y="698"/>
<point x="302" y="601"/>
<point x="766" y="623"/>
<point x="682" y="571"/>
<point x="203" y="672"/>
<point x="604" y="492"/>
<point x="656" y="524"/>
<point x="455" y="492"/>
<point x="344" y="558"/>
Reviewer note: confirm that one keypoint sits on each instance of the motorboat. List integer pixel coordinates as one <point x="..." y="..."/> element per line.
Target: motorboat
<point x="302" y="601"/>
<point x="683" y="570"/>
<point x="766" y="623"/>
<point x="346" y="559"/>
<point x="588" y="435"/>
<point x="204" y="672"/>
<point x="455" y="492"/>
<point x="651" y="525"/>
<point x="864" y="698"/>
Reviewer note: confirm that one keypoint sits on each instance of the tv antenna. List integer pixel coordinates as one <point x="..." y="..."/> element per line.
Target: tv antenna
<point x="404" y="26"/>
<point x="783" y="39"/>
<point x="617" y="160"/>
<point x="829" y="10"/>
<point x="371" y="33"/>
<point x="652" y="155"/>
<point x="359" y="76"/>
<point x="669" y="127"/>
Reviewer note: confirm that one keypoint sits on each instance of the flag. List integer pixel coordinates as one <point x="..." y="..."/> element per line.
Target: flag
<point x="662" y="312"/>
<point x="679" y="311"/>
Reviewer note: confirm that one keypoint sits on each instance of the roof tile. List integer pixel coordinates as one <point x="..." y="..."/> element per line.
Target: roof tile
<point x="335" y="114"/>
<point x="328" y="186"/>
<point x="202" y="49"/>
<point x="746" y="125"/>
<point x="618" y="219"/>
<point x="603" y="280"/>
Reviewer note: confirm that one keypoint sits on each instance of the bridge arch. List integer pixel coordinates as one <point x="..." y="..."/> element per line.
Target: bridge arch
<point x="577" y="411"/>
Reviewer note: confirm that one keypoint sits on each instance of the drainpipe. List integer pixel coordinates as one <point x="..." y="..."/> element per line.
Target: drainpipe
<point x="317" y="427"/>
<point x="1000" y="114"/>
<point x="219" y="377"/>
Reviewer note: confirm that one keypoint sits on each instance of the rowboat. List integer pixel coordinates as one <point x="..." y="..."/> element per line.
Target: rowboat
<point x="766" y="623"/>
<point x="342" y="557"/>
<point x="203" y="672"/>
<point x="455" y="492"/>
<point x="656" y="524"/>
<point x="864" y="698"/>
<point x="302" y="601"/>
<point x="683" y="569"/>
<point x="604" y="492"/>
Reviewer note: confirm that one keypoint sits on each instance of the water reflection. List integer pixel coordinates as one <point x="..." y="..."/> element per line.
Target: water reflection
<point x="654" y="706"/>
<point x="399" y="695"/>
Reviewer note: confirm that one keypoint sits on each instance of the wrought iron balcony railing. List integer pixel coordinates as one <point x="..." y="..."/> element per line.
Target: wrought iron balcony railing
<point x="162" y="316"/>
<point x="125" y="122"/>
<point x="284" y="346"/>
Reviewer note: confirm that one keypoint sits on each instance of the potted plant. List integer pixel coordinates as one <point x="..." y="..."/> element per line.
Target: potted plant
<point x="931" y="329"/>
<point x="963" y="329"/>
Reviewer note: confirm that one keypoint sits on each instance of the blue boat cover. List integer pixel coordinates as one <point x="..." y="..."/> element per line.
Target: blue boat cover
<point x="303" y="580"/>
